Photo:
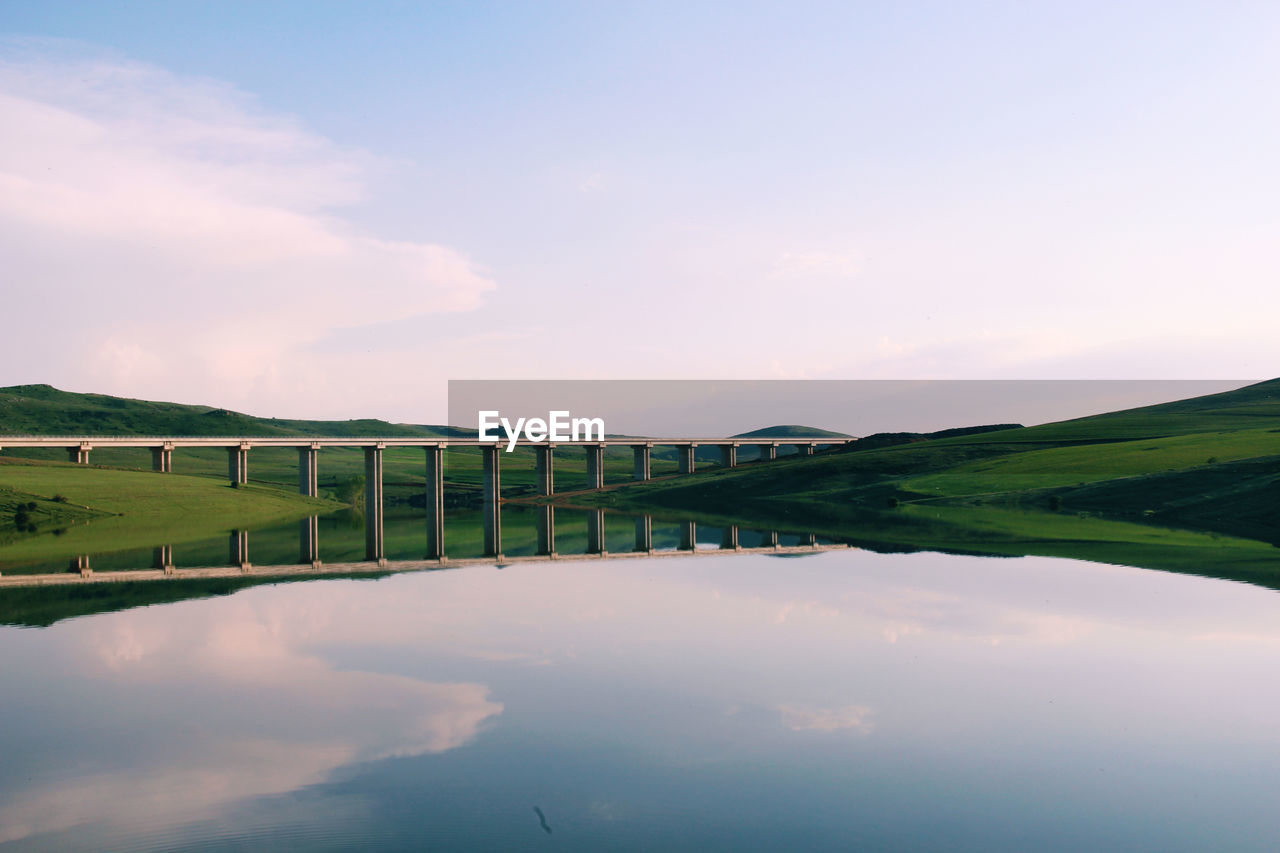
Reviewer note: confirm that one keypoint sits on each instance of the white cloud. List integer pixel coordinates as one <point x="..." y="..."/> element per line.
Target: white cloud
<point x="800" y="718"/>
<point x="179" y="235"/>
<point x="808" y="264"/>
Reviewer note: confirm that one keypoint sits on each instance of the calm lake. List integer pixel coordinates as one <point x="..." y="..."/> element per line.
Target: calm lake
<point x="837" y="700"/>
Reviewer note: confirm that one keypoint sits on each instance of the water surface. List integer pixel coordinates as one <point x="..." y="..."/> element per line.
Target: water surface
<point x="842" y="700"/>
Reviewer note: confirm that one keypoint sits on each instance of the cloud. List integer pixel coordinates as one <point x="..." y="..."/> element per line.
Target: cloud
<point x="801" y="718"/>
<point x="178" y="234"/>
<point x="810" y="264"/>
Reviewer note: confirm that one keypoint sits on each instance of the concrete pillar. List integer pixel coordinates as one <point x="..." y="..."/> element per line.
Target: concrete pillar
<point x="308" y="482"/>
<point x="643" y="460"/>
<point x="162" y="458"/>
<point x="595" y="466"/>
<point x="373" y="544"/>
<point x="546" y="531"/>
<point x="595" y="532"/>
<point x="809" y="539"/>
<point x="162" y="558"/>
<point x="238" y="464"/>
<point x="688" y="536"/>
<point x="435" y="502"/>
<point x="491" y="480"/>
<point x="768" y="452"/>
<point x="544" y="464"/>
<point x="770" y="539"/>
<point x="239" y="549"/>
<point x="685" y="452"/>
<point x="309" y="541"/>
<point x="80" y="565"/>
<point x="729" y="538"/>
<point x="805" y="449"/>
<point x="79" y="454"/>
<point x="729" y="455"/>
<point x="644" y="533"/>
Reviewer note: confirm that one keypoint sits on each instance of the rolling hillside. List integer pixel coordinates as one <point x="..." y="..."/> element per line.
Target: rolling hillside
<point x="45" y="410"/>
<point x="1210" y="463"/>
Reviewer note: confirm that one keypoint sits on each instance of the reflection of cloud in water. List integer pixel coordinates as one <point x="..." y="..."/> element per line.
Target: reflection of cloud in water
<point x="800" y="718"/>
<point x="234" y="698"/>
<point x="237" y="710"/>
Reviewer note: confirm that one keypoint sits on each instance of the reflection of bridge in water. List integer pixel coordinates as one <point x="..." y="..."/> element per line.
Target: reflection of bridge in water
<point x="162" y="447"/>
<point x="239" y="564"/>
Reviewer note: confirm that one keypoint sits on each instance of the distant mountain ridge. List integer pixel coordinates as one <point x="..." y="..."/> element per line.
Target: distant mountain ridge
<point x="791" y="431"/>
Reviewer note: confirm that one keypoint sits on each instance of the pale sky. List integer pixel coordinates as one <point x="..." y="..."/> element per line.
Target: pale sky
<point x="330" y="209"/>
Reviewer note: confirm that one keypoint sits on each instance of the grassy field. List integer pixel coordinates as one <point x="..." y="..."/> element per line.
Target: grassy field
<point x="108" y="510"/>
<point x="1080" y="464"/>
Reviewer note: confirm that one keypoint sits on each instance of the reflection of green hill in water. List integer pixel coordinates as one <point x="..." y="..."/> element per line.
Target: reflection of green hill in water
<point x="39" y="607"/>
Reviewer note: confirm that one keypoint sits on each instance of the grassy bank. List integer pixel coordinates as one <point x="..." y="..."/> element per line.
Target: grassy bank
<point x="104" y="509"/>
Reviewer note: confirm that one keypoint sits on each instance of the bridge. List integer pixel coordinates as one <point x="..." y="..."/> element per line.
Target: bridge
<point x="238" y="447"/>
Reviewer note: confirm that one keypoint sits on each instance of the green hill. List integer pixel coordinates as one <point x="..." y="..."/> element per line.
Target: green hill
<point x="1209" y="464"/>
<point x="45" y="410"/>
<point x="1253" y="406"/>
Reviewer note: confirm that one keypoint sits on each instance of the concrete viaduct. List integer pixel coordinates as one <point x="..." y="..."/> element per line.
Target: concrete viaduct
<point x="162" y="447"/>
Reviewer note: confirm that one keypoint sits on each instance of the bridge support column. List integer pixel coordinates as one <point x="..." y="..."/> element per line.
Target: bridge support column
<point x="688" y="536"/>
<point x="546" y="531"/>
<point x="805" y="449"/>
<point x="544" y="464"/>
<point x="644" y="533"/>
<point x="373" y="543"/>
<point x="770" y="539"/>
<point x="162" y="458"/>
<point x="80" y="454"/>
<point x="729" y="455"/>
<point x="80" y="565"/>
<point x="643" y="460"/>
<point x="435" y="503"/>
<point x="491" y="480"/>
<point x="685" y="452"/>
<point x="308" y="483"/>
<point x="162" y="558"/>
<point x="238" y="464"/>
<point x="809" y="539"/>
<point x="768" y="452"/>
<point x="729" y="538"/>
<point x="238" y="545"/>
<point x="309" y="541"/>
<point x="595" y="466"/>
<point x="595" y="532"/>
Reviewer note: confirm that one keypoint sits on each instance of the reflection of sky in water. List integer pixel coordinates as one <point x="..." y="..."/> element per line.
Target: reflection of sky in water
<point x="844" y="699"/>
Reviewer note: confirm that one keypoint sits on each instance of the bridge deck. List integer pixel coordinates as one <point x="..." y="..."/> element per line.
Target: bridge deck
<point x="101" y="441"/>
